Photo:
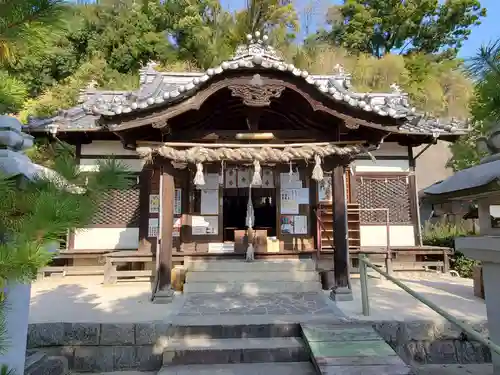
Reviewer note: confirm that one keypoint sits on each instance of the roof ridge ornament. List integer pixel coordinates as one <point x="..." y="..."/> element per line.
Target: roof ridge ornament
<point x="257" y="45"/>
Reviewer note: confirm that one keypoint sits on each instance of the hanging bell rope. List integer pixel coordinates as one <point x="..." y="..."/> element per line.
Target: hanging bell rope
<point x="199" y="178"/>
<point x="257" y="178"/>
<point x="317" y="173"/>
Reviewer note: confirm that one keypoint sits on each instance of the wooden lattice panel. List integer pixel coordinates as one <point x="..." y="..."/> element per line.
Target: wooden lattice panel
<point x="118" y="207"/>
<point x="392" y="193"/>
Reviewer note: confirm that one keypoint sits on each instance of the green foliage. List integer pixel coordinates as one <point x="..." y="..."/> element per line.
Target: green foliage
<point x="378" y="27"/>
<point x="13" y="93"/>
<point x="26" y="21"/>
<point x="444" y="234"/>
<point x="485" y="105"/>
<point x="38" y="213"/>
<point x="126" y="37"/>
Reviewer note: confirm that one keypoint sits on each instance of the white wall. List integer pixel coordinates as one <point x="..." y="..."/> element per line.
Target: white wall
<point x="385" y="166"/>
<point x="391" y="149"/>
<point x="92" y="165"/>
<point x="106" y="148"/>
<point x="375" y="235"/>
<point x="430" y="167"/>
<point x="106" y="238"/>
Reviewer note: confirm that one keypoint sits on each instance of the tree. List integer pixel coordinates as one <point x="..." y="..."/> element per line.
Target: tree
<point x="126" y="37"/>
<point x="276" y="18"/>
<point x="40" y="211"/>
<point x="485" y="104"/>
<point x="378" y="27"/>
<point x="203" y="31"/>
<point x="24" y="22"/>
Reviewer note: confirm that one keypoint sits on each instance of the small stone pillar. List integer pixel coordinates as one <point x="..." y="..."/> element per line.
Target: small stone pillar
<point x="486" y="249"/>
<point x="14" y="162"/>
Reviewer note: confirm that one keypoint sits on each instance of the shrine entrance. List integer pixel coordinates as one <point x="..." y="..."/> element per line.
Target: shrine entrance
<point x="237" y="196"/>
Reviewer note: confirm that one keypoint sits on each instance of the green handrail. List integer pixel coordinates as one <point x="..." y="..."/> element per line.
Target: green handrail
<point x="364" y="263"/>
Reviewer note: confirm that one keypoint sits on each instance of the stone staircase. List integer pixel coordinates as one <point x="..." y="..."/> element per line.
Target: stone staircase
<point x="278" y="349"/>
<point x="351" y="349"/>
<point x="258" y="277"/>
<point x="237" y="349"/>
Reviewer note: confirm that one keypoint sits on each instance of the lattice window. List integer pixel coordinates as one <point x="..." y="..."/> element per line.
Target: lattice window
<point x="119" y="207"/>
<point x="380" y="192"/>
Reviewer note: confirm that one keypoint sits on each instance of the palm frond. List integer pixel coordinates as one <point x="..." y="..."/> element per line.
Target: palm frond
<point x="486" y="60"/>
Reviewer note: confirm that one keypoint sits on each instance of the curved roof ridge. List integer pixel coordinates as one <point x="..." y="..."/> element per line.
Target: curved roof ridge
<point x="164" y="88"/>
<point x="256" y="53"/>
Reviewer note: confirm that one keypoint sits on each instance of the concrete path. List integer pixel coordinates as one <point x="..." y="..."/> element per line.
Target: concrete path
<point x="470" y="369"/>
<point x="389" y="302"/>
<point x="85" y="299"/>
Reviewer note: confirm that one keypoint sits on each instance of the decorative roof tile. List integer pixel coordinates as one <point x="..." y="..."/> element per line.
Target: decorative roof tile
<point x="166" y="88"/>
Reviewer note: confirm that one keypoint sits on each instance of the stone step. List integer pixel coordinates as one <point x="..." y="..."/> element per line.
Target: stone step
<point x="351" y="350"/>
<point x="194" y="351"/>
<point x="234" y="331"/>
<point x="279" y="265"/>
<point x="264" y="287"/>
<point x="236" y="277"/>
<point x="291" y="368"/>
<point x="38" y="363"/>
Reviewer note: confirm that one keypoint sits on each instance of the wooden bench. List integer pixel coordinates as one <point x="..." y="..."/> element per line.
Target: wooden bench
<point x="111" y="272"/>
<point x="392" y="262"/>
<point x="68" y="256"/>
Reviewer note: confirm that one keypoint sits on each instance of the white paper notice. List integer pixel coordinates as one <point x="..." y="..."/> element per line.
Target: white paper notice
<point x="267" y="178"/>
<point x="289" y="207"/>
<point x="178" y="202"/>
<point x="325" y="190"/>
<point x="243" y="178"/>
<point x="230" y="180"/>
<point x="209" y="202"/>
<point x="290" y="181"/>
<point x="300" y="224"/>
<point x="153" y="227"/>
<point x="177" y="227"/>
<point x="302" y="196"/>
<point x="154" y="203"/>
<point x="204" y="225"/>
<point x="211" y="181"/>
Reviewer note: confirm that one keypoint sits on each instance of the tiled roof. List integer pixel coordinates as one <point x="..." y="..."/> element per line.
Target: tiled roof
<point x="160" y="88"/>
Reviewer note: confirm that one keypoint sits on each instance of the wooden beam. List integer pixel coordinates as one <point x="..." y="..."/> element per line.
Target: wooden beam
<point x="414" y="204"/>
<point x="341" y="254"/>
<point x="228" y="135"/>
<point x="167" y="225"/>
<point x="247" y="145"/>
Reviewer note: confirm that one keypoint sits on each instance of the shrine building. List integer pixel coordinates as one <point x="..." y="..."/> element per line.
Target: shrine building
<point x="253" y="152"/>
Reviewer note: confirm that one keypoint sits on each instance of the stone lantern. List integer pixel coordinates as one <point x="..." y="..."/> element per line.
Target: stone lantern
<point x="481" y="183"/>
<point x="13" y="163"/>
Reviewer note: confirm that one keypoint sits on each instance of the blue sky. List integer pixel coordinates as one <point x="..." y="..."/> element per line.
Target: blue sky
<point x="487" y="31"/>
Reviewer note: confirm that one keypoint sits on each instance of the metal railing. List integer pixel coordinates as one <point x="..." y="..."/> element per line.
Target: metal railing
<point x="364" y="263"/>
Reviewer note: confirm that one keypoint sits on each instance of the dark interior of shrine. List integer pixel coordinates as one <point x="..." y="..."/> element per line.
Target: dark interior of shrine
<point x="235" y="202"/>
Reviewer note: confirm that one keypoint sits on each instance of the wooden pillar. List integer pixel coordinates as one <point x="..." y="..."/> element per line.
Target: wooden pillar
<point x="341" y="290"/>
<point x="167" y="225"/>
<point x="414" y="200"/>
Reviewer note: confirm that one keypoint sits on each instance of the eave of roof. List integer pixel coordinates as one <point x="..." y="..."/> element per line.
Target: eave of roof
<point x="164" y="89"/>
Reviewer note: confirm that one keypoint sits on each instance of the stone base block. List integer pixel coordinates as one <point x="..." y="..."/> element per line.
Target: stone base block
<point x="341" y="294"/>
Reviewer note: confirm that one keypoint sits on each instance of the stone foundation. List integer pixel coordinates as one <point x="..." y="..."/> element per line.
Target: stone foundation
<point x="92" y="347"/>
<point x="426" y="342"/>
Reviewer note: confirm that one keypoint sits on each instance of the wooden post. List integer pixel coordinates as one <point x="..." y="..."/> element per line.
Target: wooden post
<point x="167" y="225"/>
<point x="341" y="290"/>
